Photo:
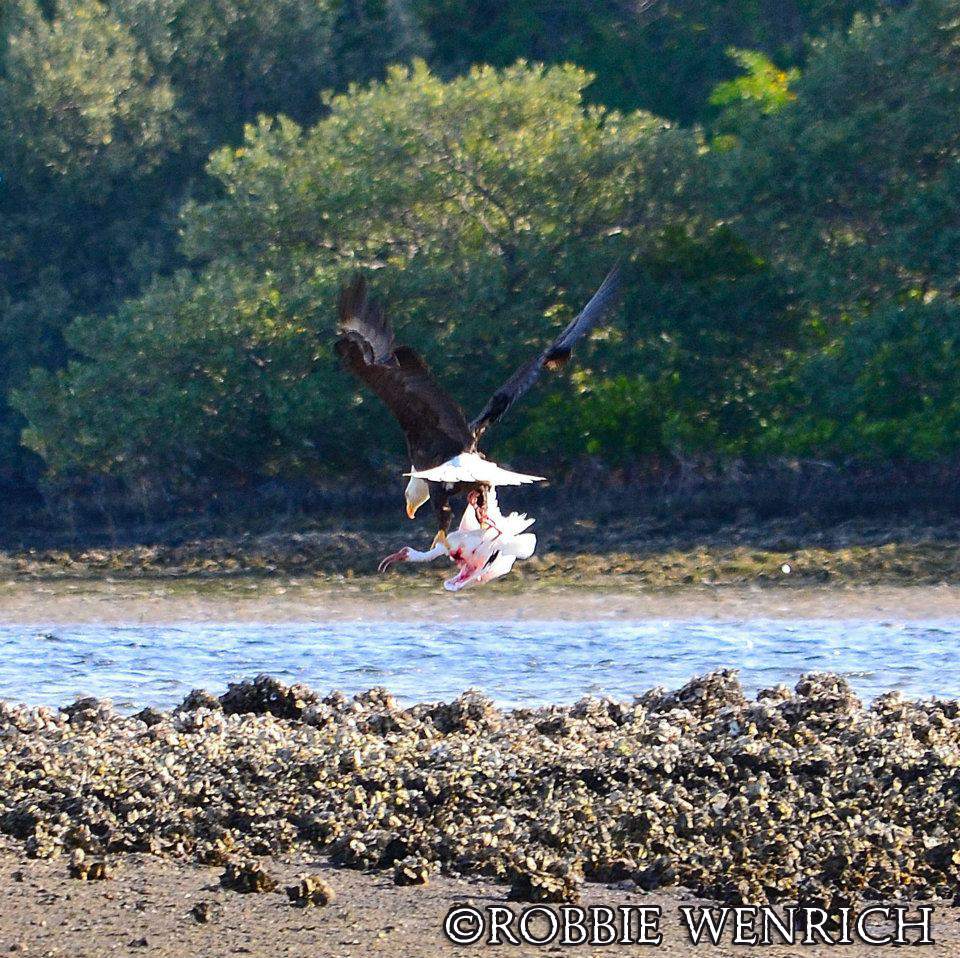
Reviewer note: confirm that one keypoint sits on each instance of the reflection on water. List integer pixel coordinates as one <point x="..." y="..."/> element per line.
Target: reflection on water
<point x="527" y="663"/>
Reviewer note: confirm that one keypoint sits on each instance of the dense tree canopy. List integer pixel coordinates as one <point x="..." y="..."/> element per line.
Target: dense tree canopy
<point x="660" y="55"/>
<point x="488" y="206"/>
<point x="230" y="60"/>
<point x="858" y="196"/>
<point x="184" y="185"/>
<point x="85" y="130"/>
<point x="107" y="114"/>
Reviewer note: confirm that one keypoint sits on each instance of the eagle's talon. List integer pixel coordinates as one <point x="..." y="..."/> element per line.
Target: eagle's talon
<point x="440" y="539"/>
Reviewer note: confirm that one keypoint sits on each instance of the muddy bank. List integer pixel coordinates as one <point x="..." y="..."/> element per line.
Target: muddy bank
<point x="648" y="553"/>
<point x="284" y="599"/>
<point x="149" y="909"/>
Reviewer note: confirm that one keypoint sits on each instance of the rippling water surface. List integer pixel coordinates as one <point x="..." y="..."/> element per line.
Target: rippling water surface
<point x="525" y="663"/>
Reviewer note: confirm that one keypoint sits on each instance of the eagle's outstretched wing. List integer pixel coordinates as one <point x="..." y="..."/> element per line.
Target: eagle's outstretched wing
<point x="434" y="424"/>
<point x="553" y="357"/>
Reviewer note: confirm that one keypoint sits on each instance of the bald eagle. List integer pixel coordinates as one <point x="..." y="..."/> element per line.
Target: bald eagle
<point x="441" y="443"/>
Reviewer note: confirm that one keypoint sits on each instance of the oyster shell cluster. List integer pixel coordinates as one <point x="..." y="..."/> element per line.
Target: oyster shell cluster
<point x="311" y="890"/>
<point x="802" y="795"/>
<point x="247" y="878"/>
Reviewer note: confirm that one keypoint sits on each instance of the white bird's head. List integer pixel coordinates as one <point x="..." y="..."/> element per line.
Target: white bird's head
<point x="416" y="494"/>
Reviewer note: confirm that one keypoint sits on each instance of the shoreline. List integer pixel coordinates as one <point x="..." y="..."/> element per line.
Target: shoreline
<point x="147" y="909"/>
<point x="285" y="599"/>
<point x="570" y="552"/>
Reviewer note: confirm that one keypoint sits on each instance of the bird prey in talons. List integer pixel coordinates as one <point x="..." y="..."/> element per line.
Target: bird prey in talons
<point x="442" y="445"/>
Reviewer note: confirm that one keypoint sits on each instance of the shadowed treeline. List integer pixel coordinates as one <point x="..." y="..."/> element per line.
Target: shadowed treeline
<point x="682" y="505"/>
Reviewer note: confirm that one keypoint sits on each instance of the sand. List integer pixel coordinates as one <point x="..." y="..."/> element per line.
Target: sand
<point x="283" y="599"/>
<point x="145" y="911"/>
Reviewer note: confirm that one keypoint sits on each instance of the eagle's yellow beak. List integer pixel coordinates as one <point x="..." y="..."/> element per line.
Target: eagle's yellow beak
<point x="411" y="511"/>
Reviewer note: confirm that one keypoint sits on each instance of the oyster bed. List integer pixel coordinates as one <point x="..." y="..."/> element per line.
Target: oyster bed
<point x="656" y="553"/>
<point x="798" y="796"/>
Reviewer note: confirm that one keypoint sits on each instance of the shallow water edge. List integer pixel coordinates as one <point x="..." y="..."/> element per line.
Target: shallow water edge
<point x="304" y="600"/>
<point x="150" y="643"/>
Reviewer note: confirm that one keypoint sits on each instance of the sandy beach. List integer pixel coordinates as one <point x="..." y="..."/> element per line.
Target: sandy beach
<point x="147" y="910"/>
<point x="284" y="599"/>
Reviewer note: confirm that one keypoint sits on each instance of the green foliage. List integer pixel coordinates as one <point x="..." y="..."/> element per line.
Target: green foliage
<point x="369" y="35"/>
<point x="617" y="418"/>
<point x="107" y="114"/>
<point x="659" y="55"/>
<point x="77" y="98"/>
<point x="490" y="206"/>
<point x="762" y="89"/>
<point x="230" y="60"/>
<point x="178" y="175"/>
<point x="858" y="197"/>
<point x="858" y="193"/>
<point x="86" y="131"/>
<point x="886" y="388"/>
<point x="194" y="354"/>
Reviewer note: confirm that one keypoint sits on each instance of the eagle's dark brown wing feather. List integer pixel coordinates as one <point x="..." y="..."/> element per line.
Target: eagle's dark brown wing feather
<point x="553" y="357"/>
<point x="433" y="423"/>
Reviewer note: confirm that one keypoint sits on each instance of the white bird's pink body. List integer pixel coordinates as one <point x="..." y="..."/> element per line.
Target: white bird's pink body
<point x="484" y="549"/>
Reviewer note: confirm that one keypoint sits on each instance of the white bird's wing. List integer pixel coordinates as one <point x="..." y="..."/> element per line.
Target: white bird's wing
<point x="514" y="524"/>
<point x="499" y="567"/>
<point x="519" y="547"/>
<point x="467" y="577"/>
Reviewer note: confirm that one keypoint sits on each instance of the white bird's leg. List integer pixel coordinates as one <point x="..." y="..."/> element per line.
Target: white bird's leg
<point x="483" y="517"/>
<point x="406" y="554"/>
<point x="473" y="498"/>
<point x="492" y="525"/>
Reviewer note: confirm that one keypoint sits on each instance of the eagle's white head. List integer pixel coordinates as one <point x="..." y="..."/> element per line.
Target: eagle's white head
<point x="416" y="494"/>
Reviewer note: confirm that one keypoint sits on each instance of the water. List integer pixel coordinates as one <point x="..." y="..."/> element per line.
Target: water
<point x="517" y="664"/>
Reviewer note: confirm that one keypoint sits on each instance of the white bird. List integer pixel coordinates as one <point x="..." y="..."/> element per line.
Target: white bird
<point x="485" y="545"/>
